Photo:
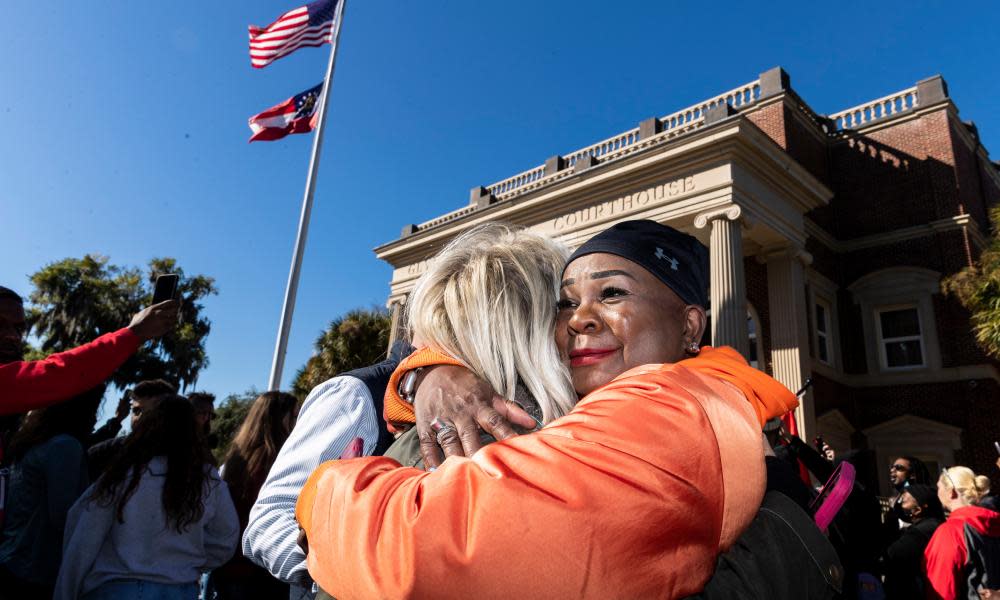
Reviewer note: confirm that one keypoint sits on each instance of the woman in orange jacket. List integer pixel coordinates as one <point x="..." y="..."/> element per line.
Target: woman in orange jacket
<point x="634" y="493"/>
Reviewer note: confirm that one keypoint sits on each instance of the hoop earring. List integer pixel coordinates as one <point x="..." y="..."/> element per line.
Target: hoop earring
<point x="692" y="348"/>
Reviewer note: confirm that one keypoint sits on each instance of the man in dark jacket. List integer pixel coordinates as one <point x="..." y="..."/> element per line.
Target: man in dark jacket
<point x="904" y="576"/>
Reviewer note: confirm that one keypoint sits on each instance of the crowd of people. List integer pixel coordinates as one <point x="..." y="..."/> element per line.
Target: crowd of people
<point x="551" y="427"/>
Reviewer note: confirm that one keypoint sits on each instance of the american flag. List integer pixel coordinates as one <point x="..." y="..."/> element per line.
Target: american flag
<point x="295" y="115"/>
<point x="309" y="25"/>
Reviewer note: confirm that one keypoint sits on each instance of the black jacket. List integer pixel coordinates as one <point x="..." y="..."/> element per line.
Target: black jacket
<point x="782" y="555"/>
<point x="904" y="575"/>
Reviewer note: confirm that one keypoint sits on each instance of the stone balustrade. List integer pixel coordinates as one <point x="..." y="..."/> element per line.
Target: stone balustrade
<point x="604" y="147"/>
<point x="892" y="104"/>
<point x="683" y="120"/>
<point x="517" y="181"/>
<point x="658" y="130"/>
<point x="446" y="217"/>
<point x="737" y="98"/>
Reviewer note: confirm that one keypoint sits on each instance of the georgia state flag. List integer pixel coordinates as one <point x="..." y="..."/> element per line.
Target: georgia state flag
<point x="295" y="115"/>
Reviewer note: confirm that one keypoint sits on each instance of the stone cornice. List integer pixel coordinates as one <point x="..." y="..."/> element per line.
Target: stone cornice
<point x="733" y="140"/>
<point x="915" y="377"/>
<point x="958" y="222"/>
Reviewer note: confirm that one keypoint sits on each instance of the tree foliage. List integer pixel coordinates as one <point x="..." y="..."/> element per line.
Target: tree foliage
<point x="355" y="340"/>
<point x="978" y="289"/>
<point x="77" y="300"/>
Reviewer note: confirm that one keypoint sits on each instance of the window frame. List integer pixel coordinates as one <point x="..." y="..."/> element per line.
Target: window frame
<point x="820" y="289"/>
<point x="899" y="286"/>
<point x="882" y="340"/>
<point x="828" y="336"/>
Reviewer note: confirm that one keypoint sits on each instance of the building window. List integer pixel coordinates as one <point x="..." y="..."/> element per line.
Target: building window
<point x="822" y="317"/>
<point x="900" y="339"/>
<point x="897" y="314"/>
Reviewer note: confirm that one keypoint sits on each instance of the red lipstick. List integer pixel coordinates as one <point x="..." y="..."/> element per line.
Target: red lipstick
<point x="582" y="357"/>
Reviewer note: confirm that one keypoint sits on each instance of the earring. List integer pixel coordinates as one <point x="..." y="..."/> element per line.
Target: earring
<point x="692" y="348"/>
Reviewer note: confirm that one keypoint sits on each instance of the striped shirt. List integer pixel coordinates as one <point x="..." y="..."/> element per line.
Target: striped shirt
<point x="334" y="413"/>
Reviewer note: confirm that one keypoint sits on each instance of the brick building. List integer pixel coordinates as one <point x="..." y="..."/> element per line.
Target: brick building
<point x="829" y="237"/>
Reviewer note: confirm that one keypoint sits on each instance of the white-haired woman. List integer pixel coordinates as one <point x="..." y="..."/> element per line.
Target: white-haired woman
<point x="954" y="560"/>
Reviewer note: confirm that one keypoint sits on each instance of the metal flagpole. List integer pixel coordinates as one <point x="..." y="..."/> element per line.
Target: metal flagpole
<point x="300" y="239"/>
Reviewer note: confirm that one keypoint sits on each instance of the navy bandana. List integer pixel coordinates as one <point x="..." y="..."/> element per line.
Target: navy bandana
<point x="675" y="258"/>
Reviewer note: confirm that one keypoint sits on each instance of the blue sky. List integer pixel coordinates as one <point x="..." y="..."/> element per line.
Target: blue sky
<point x="125" y="126"/>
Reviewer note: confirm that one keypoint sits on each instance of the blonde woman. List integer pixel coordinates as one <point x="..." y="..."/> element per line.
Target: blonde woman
<point x="954" y="558"/>
<point x="487" y="303"/>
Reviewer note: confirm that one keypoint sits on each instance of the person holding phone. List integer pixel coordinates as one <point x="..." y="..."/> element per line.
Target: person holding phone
<point x="27" y="385"/>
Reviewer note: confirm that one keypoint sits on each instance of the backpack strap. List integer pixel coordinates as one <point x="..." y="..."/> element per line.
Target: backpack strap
<point x="376" y="379"/>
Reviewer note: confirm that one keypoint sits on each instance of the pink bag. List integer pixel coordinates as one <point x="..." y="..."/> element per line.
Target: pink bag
<point x="833" y="495"/>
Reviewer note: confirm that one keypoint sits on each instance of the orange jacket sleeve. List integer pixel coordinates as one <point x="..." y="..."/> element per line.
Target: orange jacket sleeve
<point x="624" y="497"/>
<point x="766" y="396"/>
<point x="27" y="385"/>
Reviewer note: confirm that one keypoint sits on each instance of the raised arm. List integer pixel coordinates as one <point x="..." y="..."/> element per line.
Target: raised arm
<point x="27" y="385"/>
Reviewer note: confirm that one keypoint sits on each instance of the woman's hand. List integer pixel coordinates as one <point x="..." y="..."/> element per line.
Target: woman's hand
<point x="459" y="404"/>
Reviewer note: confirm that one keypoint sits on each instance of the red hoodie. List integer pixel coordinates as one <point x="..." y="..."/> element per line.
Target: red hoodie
<point x="946" y="557"/>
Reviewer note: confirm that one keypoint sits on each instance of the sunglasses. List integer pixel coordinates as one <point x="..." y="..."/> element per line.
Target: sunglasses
<point x="899" y="468"/>
<point x="944" y="472"/>
<point x="136" y="411"/>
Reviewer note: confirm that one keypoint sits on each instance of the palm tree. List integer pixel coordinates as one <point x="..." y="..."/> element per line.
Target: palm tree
<point x="355" y="340"/>
<point x="77" y="300"/>
<point x="978" y="289"/>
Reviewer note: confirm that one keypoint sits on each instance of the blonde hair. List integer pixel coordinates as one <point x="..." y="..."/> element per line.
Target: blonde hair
<point x="488" y="299"/>
<point x="970" y="487"/>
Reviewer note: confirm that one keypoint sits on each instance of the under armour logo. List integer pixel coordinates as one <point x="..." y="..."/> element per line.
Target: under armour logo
<point x="673" y="261"/>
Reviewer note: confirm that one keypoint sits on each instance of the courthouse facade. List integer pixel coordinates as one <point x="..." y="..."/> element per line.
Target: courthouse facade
<point x="829" y="237"/>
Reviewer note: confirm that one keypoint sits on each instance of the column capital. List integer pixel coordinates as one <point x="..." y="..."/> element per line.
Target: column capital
<point x="399" y="299"/>
<point x="733" y="212"/>
<point x="794" y="251"/>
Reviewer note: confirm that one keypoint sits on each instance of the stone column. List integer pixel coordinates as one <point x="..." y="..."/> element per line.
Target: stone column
<point x="396" y="324"/>
<point x="789" y="315"/>
<point x="728" y="283"/>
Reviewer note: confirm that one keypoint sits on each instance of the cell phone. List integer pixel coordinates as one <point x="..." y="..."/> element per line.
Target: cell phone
<point x="997" y="446"/>
<point x="166" y="287"/>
